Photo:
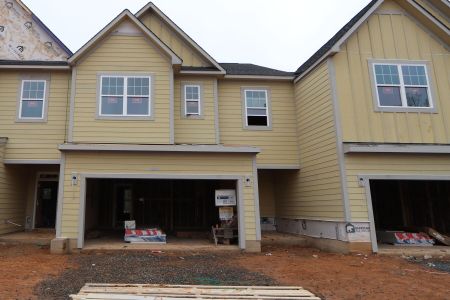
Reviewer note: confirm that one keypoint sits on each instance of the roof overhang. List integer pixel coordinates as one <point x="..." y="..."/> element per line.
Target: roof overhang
<point x="159" y="148"/>
<point x="30" y="65"/>
<point x="178" y="30"/>
<point x="396" y="148"/>
<point x="126" y="14"/>
<point x="259" y="77"/>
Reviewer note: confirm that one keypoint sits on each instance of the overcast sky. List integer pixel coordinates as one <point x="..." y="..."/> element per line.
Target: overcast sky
<point x="280" y="34"/>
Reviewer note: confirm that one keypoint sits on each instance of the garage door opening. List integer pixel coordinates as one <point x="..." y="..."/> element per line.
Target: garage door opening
<point x="402" y="208"/>
<point x="183" y="211"/>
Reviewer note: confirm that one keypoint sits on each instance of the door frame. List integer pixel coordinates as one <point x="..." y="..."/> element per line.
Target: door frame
<point x="364" y="181"/>
<point x="239" y="191"/>
<point x="36" y="184"/>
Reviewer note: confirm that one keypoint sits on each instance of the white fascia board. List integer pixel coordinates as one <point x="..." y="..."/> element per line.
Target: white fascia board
<point x="126" y="13"/>
<point x="396" y="148"/>
<point x="159" y="148"/>
<point x="180" y="32"/>
<point x="185" y="72"/>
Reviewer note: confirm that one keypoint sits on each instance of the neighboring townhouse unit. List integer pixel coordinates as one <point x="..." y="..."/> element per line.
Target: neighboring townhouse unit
<point x="141" y="123"/>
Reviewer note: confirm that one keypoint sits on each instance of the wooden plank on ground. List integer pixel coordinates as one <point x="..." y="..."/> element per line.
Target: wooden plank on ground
<point x="92" y="291"/>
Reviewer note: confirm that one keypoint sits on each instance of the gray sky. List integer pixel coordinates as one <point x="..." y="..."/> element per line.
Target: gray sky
<point x="280" y="34"/>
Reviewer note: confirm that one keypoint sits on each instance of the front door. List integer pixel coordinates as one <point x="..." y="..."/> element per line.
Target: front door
<point x="47" y="197"/>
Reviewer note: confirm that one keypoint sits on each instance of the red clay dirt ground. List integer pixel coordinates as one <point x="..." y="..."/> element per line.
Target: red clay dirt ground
<point x="329" y="276"/>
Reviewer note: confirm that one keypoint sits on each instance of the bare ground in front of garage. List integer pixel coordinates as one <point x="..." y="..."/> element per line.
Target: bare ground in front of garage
<point x="30" y="272"/>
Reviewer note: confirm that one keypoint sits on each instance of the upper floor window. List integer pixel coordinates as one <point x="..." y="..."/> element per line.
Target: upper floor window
<point x="32" y="100"/>
<point x="404" y="86"/>
<point x="256" y="108"/>
<point x="192" y="100"/>
<point x="125" y="96"/>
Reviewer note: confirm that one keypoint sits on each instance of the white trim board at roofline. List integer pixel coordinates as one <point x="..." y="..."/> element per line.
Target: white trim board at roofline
<point x="159" y="148"/>
<point x="31" y="161"/>
<point x="396" y="148"/>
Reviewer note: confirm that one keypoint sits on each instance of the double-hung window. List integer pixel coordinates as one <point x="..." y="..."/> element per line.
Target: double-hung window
<point x="402" y="86"/>
<point x="256" y="107"/>
<point x="192" y="100"/>
<point x="127" y="96"/>
<point x="32" y="100"/>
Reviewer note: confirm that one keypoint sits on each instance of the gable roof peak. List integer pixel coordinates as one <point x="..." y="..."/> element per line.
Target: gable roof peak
<point x="176" y="60"/>
<point x="178" y="30"/>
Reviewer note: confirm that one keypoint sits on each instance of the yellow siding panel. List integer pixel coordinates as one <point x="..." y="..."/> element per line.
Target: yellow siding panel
<point x="12" y="195"/>
<point x="314" y="191"/>
<point x="266" y="193"/>
<point x="191" y="130"/>
<point x="387" y="35"/>
<point x="122" y="54"/>
<point x="165" y="163"/>
<point x="278" y="145"/>
<point x="385" y="164"/>
<point x="160" y="28"/>
<point x="36" y="140"/>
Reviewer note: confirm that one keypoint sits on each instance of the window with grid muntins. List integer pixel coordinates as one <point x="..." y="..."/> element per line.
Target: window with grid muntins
<point x="32" y="99"/>
<point x="402" y="85"/>
<point x="256" y="109"/>
<point x="125" y="96"/>
<point x="192" y="100"/>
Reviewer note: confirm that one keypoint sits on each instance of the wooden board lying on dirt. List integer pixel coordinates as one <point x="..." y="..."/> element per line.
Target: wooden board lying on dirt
<point x="179" y="292"/>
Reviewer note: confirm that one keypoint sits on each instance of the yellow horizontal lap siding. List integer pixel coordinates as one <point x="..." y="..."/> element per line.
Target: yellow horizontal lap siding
<point x="146" y="163"/>
<point x="187" y="53"/>
<point x="278" y="145"/>
<point x="33" y="140"/>
<point x="266" y="193"/>
<point x="12" y="196"/>
<point x="398" y="37"/>
<point x="315" y="191"/>
<point x="384" y="164"/>
<point x="191" y="130"/>
<point x="122" y="55"/>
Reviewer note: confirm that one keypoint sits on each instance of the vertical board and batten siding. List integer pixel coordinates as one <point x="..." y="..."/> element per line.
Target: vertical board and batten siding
<point x="33" y="140"/>
<point x="193" y="130"/>
<point x="390" y="34"/>
<point x="266" y="193"/>
<point x="186" y="52"/>
<point x="278" y="145"/>
<point x="159" y="163"/>
<point x="122" y="54"/>
<point x="314" y="192"/>
<point x="12" y="195"/>
<point x="383" y="164"/>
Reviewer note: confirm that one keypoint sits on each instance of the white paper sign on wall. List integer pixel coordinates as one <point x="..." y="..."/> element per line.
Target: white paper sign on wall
<point x="225" y="197"/>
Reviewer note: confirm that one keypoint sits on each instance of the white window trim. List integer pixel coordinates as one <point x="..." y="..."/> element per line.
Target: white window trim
<point x="183" y="103"/>
<point x="125" y="96"/>
<point x="245" y="115"/>
<point x="39" y="78"/>
<point x="199" y="113"/>
<point x="404" y="108"/>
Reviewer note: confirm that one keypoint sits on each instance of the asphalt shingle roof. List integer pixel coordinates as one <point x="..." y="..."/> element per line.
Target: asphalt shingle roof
<point x="328" y="45"/>
<point x="251" y="69"/>
<point x="33" y="62"/>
